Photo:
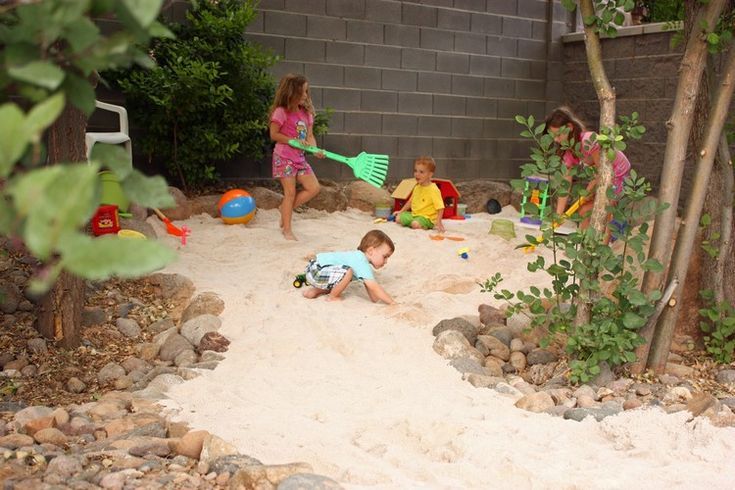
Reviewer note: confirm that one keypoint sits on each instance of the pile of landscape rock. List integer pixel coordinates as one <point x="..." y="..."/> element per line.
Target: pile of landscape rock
<point x="507" y="358"/>
<point x="124" y="439"/>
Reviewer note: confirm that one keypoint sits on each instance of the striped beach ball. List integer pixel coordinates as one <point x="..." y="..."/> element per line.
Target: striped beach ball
<point x="236" y="207"/>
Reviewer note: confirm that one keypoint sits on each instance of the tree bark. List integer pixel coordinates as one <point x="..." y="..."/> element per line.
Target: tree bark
<point x="679" y="127"/>
<point x="61" y="307"/>
<point x="606" y="96"/>
<point x="690" y="225"/>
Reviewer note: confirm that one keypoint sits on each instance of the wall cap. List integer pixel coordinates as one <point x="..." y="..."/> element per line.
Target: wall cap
<point x="653" y="28"/>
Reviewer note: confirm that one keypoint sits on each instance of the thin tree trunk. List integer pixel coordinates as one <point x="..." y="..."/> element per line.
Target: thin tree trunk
<point x="688" y="230"/>
<point x="679" y="127"/>
<point x="606" y="96"/>
<point x="60" y="310"/>
<point x="715" y="276"/>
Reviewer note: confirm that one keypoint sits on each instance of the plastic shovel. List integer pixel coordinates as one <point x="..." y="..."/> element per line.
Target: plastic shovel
<point x="366" y="166"/>
<point x="172" y="229"/>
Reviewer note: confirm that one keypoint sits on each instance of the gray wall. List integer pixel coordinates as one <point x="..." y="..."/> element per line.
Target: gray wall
<point x="441" y="77"/>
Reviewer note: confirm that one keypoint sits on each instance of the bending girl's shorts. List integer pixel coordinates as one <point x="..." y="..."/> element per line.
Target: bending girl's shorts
<point x="283" y="167"/>
<point x="324" y="277"/>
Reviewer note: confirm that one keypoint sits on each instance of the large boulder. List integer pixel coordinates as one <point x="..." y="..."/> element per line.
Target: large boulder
<point x="476" y="193"/>
<point x="364" y="196"/>
<point x="330" y="198"/>
<point x="182" y="206"/>
<point x="206" y="204"/>
<point x="266" y="198"/>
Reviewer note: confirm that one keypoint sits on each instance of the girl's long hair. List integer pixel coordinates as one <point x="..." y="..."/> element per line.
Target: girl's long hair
<point x="288" y="93"/>
<point x="560" y="117"/>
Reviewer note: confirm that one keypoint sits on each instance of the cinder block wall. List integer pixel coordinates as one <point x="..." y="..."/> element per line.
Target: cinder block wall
<point x="643" y="68"/>
<point x="438" y="77"/>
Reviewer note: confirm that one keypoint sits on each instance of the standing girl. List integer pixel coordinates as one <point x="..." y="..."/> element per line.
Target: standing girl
<point x="292" y="117"/>
<point x="564" y="125"/>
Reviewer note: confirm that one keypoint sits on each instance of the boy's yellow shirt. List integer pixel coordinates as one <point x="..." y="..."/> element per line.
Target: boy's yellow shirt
<point x="426" y="201"/>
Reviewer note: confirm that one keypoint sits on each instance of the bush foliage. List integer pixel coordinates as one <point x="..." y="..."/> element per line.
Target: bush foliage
<point x="207" y="99"/>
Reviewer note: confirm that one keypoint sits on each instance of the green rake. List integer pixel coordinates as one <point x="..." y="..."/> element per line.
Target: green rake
<point x="366" y="166"/>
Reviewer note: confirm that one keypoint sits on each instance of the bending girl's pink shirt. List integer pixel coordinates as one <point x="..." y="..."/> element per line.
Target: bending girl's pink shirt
<point x="294" y="125"/>
<point x="621" y="164"/>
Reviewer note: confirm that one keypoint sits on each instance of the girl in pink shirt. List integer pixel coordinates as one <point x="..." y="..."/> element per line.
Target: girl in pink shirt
<point x="564" y="125"/>
<point x="292" y="117"/>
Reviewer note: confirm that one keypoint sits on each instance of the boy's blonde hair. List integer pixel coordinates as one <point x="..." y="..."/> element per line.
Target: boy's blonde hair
<point x="427" y="161"/>
<point x="289" y="89"/>
<point x="375" y="238"/>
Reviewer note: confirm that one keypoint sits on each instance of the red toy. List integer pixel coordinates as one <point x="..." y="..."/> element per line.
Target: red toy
<point x="449" y="193"/>
<point x="105" y="220"/>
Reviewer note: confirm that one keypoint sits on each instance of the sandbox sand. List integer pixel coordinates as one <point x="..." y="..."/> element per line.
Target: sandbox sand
<point x="356" y="390"/>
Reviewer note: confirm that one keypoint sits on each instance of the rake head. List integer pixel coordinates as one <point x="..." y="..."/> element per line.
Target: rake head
<point x="369" y="167"/>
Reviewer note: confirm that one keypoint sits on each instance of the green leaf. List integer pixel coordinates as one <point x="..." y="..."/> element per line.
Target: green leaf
<point x="80" y="93"/>
<point x="637" y="298"/>
<point x="40" y="73"/>
<point x="108" y="255"/>
<point x="570" y="5"/>
<point x="113" y="157"/>
<point x="151" y="192"/>
<point x="81" y="34"/>
<point x="633" y="321"/>
<point x="44" y="114"/>
<point x="143" y="11"/>
<point x="13" y="137"/>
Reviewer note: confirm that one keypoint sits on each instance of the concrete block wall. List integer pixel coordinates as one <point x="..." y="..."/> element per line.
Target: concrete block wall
<point x="643" y="68"/>
<point x="438" y="77"/>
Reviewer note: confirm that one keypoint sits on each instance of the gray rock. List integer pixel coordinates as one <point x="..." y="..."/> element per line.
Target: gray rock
<point x="507" y="389"/>
<point x="490" y="315"/>
<point x="122" y="310"/>
<point x="185" y="358"/>
<point x="10" y="296"/>
<point x="75" y="385"/>
<point x="172" y="347"/>
<point x="726" y="376"/>
<point x="65" y="466"/>
<point x="458" y="324"/>
<point x="605" y="376"/>
<point x="599" y="413"/>
<point x="535" y="402"/>
<point x="490" y="345"/>
<point x="37" y="346"/>
<point x="330" y="198"/>
<point x="110" y="372"/>
<point x="728" y="401"/>
<point x="451" y="344"/>
<point x="194" y="329"/>
<point x="363" y="196"/>
<point x="161" y="326"/>
<point x="231" y="463"/>
<point x="203" y="303"/>
<point x="669" y="379"/>
<point x="466" y="366"/>
<point x="128" y="327"/>
<point x="482" y="381"/>
<point x="541" y="356"/>
<point x="93" y="316"/>
<point x="503" y="334"/>
<point x="308" y="481"/>
<point x="172" y="286"/>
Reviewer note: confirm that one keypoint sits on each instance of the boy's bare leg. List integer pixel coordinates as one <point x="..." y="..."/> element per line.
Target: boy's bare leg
<point x="312" y="293"/>
<point x="337" y="290"/>
<point x="416" y="225"/>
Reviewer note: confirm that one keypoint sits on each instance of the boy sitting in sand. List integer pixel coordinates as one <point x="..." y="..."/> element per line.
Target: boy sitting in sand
<point x="426" y="204"/>
<point x="330" y="273"/>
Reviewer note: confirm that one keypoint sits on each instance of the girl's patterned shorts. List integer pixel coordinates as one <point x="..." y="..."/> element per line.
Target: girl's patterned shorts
<point x="283" y="167"/>
<point x="325" y="277"/>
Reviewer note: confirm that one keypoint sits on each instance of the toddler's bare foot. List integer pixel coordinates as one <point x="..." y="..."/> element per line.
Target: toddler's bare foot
<point x="334" y="298"/>
<point x="288" y="235"/>
<point x="312" y="293"/>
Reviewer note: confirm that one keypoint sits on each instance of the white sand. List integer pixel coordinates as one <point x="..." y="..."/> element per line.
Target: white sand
<point x="356" y="390"/>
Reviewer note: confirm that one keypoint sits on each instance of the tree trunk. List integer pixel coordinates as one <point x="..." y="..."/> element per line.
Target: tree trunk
<point x="679" y="127"/>
<point x="719" y="272"/>
<point x="61" y="308"/>
<point x="606" y="96"/>
<point x="688" y="230"/>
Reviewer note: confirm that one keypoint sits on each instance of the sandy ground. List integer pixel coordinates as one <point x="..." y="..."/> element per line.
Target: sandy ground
<point x="356" y="390"/>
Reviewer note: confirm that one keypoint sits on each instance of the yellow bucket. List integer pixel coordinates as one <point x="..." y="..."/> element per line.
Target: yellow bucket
<point x="131" y="234"/>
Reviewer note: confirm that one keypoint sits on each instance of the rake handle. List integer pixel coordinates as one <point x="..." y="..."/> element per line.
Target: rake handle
<point x="314" y="149"/>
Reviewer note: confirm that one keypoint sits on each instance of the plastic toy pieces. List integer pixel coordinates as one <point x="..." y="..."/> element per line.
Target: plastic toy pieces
<point x="464" y="253"/>
<point x="572" y="209"/>
<point x="172" y="229"/>
<point x="299" y="280"/>
<point x="536" y="191"/>
<point x="366" y="166"/>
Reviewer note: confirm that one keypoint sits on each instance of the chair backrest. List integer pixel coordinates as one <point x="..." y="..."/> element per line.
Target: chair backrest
<point x="121" y="112"/>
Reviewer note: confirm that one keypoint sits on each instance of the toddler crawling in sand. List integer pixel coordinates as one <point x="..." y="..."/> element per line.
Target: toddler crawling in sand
<point x="330" y="273"/>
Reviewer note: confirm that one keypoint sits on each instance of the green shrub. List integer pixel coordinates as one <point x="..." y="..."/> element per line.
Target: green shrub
<point x="582" y="262"/>
<point x="208" y="98"/>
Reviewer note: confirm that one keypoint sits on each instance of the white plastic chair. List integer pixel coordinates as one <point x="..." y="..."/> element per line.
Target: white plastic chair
<point x="118" y="138"/>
